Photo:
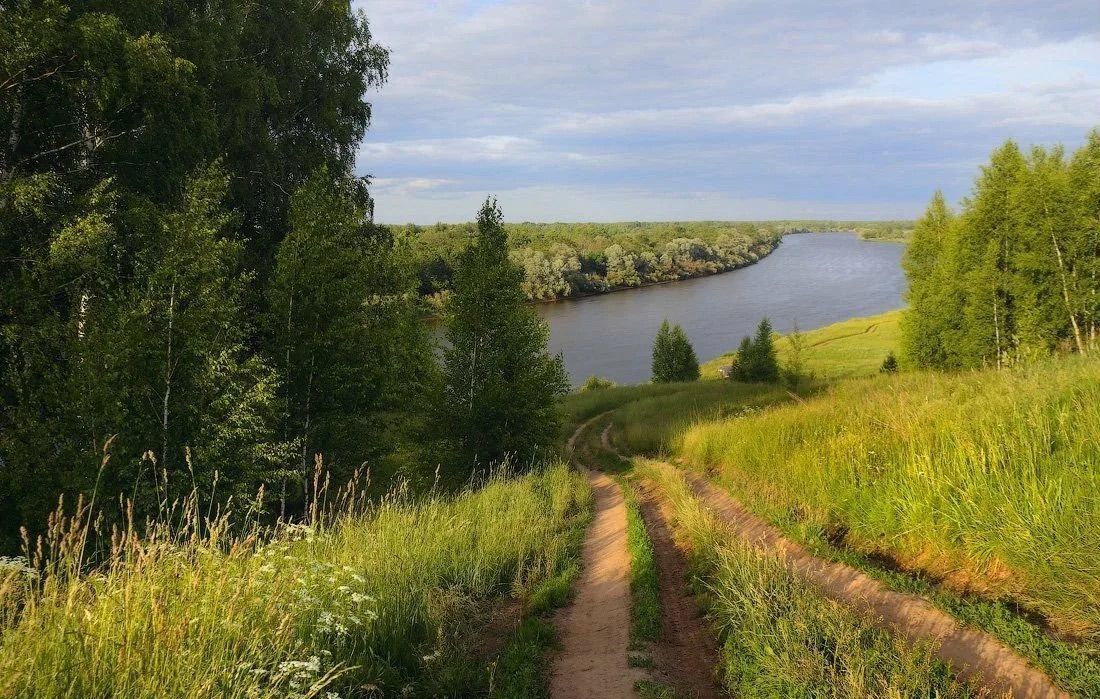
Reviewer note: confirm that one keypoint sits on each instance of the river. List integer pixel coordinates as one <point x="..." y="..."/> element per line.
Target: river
<point x="813" y="279"/>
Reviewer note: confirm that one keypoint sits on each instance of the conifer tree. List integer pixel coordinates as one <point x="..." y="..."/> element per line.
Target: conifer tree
<point x="890" y="364"/>
<point x="686" y="364"/>
<point x="662" y="364"/>
<point x="674" y="358"/>
<point x="500" y="383"/>
<point x="743" y="361"/>
<point x="765" y="367"/>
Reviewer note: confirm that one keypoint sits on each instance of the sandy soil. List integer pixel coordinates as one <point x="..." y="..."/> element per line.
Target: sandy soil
<point x="976" y="656"/>
<point x="594" y="629"/>
<point x="687" y="654"/>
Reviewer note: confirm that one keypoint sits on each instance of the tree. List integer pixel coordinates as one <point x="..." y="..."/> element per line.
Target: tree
<point x="986" y="252"/>
<point x="765" y="367"/>
<point x="929" y="315"/>
<point x="757" y="359"/>
<point x="673" y="356"/>
<point x="794" y="367"/>
<point x="742" y="361"/>
<point x="1017" y="273"/>
<point x="500" y="383"/>
<point x="133" y="267"/>
<point x="662" y="364"/>
<point x="350" y="355"/>
<point x="890" y="364"/>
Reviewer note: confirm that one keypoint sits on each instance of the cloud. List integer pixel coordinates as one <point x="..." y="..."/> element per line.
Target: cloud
<point x="862" y="104"/>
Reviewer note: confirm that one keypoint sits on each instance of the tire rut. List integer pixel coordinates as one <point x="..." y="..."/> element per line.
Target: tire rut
<point x="686" y="656"/>
<point x="976" y="656"/>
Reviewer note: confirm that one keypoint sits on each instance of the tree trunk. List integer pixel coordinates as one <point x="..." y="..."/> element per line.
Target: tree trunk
<point x="168" y="370"/>
<point x="1065" y="296"/>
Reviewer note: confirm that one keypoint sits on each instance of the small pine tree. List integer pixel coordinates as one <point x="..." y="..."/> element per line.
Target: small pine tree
<point x="686" y="364"/>
<point x="890" y="364"/>
<point x="742" y="361"/>
<point x="673" y="356"/>
<point x="766" y="360"/>
<point x="662" y="366"/>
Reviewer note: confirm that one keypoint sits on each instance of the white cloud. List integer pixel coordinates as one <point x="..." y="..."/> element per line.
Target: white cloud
<point x="758" y="100"/>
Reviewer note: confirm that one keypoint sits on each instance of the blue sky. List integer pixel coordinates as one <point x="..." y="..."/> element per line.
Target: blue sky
<point x="633" y="110"/>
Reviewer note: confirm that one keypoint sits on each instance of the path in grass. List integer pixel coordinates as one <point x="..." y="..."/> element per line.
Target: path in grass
<point x="975" y="655"/>
<point x="595" y="628"/>
<point x="686" y="655"/>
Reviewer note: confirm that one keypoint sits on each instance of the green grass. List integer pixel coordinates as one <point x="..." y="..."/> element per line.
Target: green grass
<point x="652" y="425"/>
<point x="648" y="417"/>
<point x="987" y="479"/>
<point x="645" y="593"/>
<point x="388" y="599"/>
<point x="782" y="638"/>
<point x="850" y="348"/>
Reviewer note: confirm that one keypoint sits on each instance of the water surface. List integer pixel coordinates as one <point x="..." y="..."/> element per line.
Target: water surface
<point x="813" y="279"/>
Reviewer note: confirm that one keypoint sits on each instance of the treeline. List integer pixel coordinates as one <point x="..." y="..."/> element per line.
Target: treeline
<point x="1016" y="272"/>
<point x="193" y="296"/>
<point x="562" y="260"/>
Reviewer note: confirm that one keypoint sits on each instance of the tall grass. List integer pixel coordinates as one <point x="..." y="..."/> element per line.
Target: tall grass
<point x="988" y="479"/>
<point x="780" y="637"/>
<point x="382" y="601"/>
<point x="645" y="592"/>
<point x="650" y="425"/>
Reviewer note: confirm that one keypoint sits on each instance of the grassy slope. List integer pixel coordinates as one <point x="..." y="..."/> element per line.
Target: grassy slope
<point x="780" y="637"/>
<point x="387" y="599"/>
<point x="649" y="418"/>
<point x="987" y="478"/>
<point x="850" y="348"/>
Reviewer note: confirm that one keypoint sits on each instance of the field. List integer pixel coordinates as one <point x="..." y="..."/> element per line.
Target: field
<point x="982" y="478"/>
<point x="973" y="491"/>
<point x="850" y="348"/>
<point x="399" y="599"/>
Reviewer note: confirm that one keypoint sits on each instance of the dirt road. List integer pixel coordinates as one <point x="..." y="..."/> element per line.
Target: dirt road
<point x="595" y="628"/>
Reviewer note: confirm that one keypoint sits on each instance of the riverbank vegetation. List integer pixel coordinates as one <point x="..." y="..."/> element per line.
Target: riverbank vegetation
<point x="850" y="348"/>
<point x="562" y="260"/>
<point x="565" y="260"/>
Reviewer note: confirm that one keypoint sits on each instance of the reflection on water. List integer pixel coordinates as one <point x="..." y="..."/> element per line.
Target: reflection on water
<point x="814" y="279"/>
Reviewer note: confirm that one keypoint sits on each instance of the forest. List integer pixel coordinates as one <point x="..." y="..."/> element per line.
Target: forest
<point x="193" y="296"/>
<point x="1015" y="273"/>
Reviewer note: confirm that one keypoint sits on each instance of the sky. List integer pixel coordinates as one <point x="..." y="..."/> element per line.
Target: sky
<point x="636" y="110"/>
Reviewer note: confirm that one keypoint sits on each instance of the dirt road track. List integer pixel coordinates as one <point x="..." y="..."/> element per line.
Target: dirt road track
<point x="687" y="653"/>
<point x="595" y="628"/>
<point x="975" y="655"/>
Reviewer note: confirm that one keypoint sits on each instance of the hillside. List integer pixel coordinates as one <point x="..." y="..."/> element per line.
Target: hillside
<point x="854" y="347"/>
<point x="973" y="491"/>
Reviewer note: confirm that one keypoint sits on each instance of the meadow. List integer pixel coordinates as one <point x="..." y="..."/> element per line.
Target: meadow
<point x="850" y="348"/>
<point x="984" y="479"/>
<point x="395" y="599"/>
<point x="779" y="636"/>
